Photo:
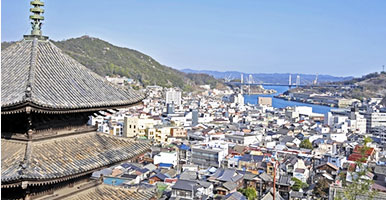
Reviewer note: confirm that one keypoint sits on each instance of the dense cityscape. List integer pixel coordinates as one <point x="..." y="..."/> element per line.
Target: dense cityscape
<point x="69" y="133"/>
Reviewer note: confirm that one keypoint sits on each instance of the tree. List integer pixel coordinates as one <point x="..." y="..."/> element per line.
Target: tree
<point x="298" y="184"/>
<point x="360" y="186"/>
<point x="249" y="192"/>
<point x="306" y="144"/>
<point x="321" y="188"/>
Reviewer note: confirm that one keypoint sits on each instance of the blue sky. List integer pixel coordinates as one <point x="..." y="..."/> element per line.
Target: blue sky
<point x="297" y="36"/>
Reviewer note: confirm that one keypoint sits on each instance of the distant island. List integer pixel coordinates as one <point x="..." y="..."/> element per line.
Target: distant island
<point x="265" y="78"/>
<point x="342" y="93"/>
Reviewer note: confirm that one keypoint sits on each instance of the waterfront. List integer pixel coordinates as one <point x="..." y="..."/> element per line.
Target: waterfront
<point x="281" y="103"/>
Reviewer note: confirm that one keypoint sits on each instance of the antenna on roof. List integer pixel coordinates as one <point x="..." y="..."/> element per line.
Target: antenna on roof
<point x="36" y="17"/>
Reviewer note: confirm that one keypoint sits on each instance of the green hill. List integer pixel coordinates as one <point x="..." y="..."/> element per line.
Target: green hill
<point x="107" y="59"/>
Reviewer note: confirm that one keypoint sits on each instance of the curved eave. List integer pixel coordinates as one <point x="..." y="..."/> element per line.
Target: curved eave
<point x="37" y="182"/>
<point x="32" y="107"/>
<point x="17" y="181"/>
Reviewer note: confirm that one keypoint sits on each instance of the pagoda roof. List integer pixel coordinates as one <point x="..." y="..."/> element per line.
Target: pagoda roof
<point x="110" y="192"/>
<point x="38" y="75"/>
<point x="53" y="160"/>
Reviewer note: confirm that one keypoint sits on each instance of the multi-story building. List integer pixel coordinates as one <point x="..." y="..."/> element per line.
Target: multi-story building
<point x="237" y="99"/>
<point x="135" y="126"/>
<point x="243" y="138"/>
<point x="265" y="101"/>
<point x="173" y="97"/>
<point x="210" y="154"/>
<point x="375" y="119"/>
<point x="380" y="132"/>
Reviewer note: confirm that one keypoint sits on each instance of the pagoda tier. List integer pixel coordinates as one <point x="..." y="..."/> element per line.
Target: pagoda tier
<point x="46" y="162"/>
<point x="46" y="100"/>
<point x="38" y="77"/>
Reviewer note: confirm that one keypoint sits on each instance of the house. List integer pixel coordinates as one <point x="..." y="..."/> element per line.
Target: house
<point x="284" y="185"/>
<point x="191" y="189"/>
<point x="251" y="163"/>
<point x="269" y="196"/>
<point x="227" y="181"/>
<point x="363" y="157"/>
<point x="380" y="175"/>
<point x="289" y="141"/>
<point x="251" y="180"/>
<point x="235" y="196"/>
<point x="328" y="169"/>
<point x="166" y="158"/>
<point x="158" y="177"/>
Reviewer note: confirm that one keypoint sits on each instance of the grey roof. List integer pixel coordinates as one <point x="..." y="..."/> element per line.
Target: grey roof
<point x="185" y="185"/>
<point x="250" y="176"/>
<point x="235" y="196"/>
<point x="286" y="139"/>
<point x="188" y="175"/>
<point x="37" y="73"/>
<point x="204" y="184"/>
<point x="266" y="177"/>
<point x="227" y="174"/>
<point x="380" y="170"/>
<point x="284" y="180"/>
<point x="51" y="159"/>
<point x="269" y="196"/>
<point x="229" y="185"/>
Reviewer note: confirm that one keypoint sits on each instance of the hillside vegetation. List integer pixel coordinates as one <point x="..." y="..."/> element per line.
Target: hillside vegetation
<point x="370" y="85"/>
<point x="107" y="59"/>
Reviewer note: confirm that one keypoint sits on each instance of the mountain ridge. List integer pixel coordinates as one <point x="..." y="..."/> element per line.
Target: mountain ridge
<point x="105" y="59"/>
<point x="279" y="78"/>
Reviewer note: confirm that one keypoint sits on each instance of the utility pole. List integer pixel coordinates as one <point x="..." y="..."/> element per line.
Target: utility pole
<point x="274" y="180"/>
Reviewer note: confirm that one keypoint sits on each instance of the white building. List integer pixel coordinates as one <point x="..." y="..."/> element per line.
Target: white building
<point x="173" y="96"/>
<point x="375" y="119"/>
<point x="166" y="157"/>
<point x="237" y="99"/>
<point x="244" y="139"/>
<point x="304" y="110"/>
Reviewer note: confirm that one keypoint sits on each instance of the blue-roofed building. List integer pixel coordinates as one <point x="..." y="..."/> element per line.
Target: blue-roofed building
<point x="165" y="165"/>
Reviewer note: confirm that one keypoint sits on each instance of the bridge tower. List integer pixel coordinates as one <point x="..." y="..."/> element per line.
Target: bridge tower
<point x="298" y="80"/>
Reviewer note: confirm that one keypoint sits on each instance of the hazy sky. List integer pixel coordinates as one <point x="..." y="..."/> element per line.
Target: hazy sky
<point x="298" y="36"/>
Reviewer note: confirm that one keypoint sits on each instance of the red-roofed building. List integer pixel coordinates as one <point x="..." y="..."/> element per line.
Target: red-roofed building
<point x="358" y="155"/>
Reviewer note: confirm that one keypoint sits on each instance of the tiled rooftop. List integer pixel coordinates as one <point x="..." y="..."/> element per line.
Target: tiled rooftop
<point x="61" y="157"/>
<point x="39" y="73"/>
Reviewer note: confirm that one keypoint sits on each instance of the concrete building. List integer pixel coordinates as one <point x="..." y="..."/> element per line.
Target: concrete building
<point x="194" y="117"/>
<point x="265" y="101"/>
<point x="237" y="99"/>
<point x="375" y="119"/>
<point x="135" y="126"/>
<point x="243" y="138"/>
<point x="210" y="154"/>
<point x="166" y="158"/>
<point x="173" y="97"/>
<point x="303" y="110"/>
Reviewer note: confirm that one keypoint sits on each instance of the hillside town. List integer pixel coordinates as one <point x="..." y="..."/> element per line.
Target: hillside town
<point x="83" y="119"/>
<point x="210" y="145"/>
